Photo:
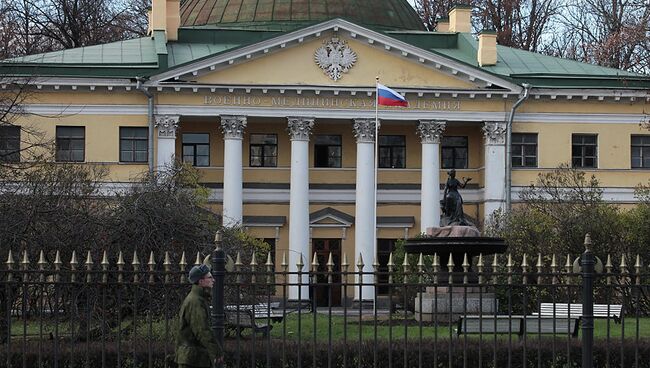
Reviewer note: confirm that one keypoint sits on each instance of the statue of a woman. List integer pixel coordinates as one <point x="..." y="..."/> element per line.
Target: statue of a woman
<point x="453" y="202"/>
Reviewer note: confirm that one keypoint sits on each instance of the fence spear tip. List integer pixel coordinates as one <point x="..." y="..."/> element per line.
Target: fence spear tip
<point x="41" y="258"/>
<point x="151" y="262"/>
<point x="269" y="261"/>
<point x="105" y="258"/>
<point x="73" y="258"/>
<point x="10" y="258"/>
<point x="57" y="258"/>
<point x="89" y="259"/>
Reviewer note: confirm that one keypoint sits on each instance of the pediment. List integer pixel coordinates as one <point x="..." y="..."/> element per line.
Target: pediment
<point x="288" y="60"/>
<point x="296" y="66"/>
<point x="330" y="217"/>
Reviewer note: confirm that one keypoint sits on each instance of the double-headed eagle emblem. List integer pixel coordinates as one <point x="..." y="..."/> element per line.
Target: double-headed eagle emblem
<point x="335" y="57"/>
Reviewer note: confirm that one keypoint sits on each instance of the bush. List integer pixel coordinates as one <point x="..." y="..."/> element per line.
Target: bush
<point x="458" y="353"/>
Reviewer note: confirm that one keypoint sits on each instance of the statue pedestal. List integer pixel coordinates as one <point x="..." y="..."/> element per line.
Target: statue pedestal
<point x="443" y="304"/>
<point x="454" y="231"/>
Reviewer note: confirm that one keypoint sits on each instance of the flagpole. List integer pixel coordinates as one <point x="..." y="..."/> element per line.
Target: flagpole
<point x="374" y="217"/>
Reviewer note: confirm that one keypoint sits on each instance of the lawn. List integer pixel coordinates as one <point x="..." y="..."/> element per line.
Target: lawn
<point x="290" y="329"/>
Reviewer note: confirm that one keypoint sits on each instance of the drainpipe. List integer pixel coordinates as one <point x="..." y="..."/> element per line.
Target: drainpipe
<point x="509" y="146"/>
<point x="141" y="88"/>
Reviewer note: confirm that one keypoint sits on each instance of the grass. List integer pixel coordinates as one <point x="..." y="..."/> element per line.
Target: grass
<point x="291" y="331"/>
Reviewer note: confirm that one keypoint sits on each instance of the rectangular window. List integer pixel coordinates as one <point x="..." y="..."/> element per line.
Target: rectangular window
<point x="392" y="151"/>
<point x="196" y="149"/>
<point x="133" y="144"/>
<point x="264" y="150"/>
<point x="584" y="148"/>
<point x="384" y="248"/>
<point x="70" y="144"/>
<point x="9" y="144"/>
<point x="641" y="151"/>
<point x="454" y="152"/>
<point x="524" y="150"/>
<point x="327" y="151"/>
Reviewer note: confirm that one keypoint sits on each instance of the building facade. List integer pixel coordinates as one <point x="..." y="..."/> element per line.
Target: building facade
<point x="275" y="105"/>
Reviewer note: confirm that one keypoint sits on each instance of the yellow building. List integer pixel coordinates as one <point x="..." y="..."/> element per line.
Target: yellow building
<point x="274" y="102"/>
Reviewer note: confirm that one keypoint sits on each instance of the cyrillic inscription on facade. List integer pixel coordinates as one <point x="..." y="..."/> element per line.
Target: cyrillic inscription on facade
<point x="321" y="102"/>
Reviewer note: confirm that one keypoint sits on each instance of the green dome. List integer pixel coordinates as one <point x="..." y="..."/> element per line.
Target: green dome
<point x="386" y="14"/>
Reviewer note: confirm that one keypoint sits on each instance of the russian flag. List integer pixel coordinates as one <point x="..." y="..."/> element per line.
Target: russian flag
<point x="388" y="97"/>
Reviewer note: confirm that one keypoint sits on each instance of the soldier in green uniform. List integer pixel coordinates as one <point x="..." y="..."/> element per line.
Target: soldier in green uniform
<point x="196" y="345"/>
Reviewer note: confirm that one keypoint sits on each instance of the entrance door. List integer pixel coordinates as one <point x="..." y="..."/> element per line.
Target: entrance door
<point x="321" y="291"/>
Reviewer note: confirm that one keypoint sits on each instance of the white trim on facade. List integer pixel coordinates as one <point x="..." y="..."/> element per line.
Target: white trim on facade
<point x="403" y="115"/>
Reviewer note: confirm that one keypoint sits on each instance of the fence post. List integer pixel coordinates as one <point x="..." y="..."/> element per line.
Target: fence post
<point x="219" y="274"/>
<point x="588" y="272"/>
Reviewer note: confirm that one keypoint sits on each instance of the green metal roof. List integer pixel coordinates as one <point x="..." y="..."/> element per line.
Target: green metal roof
<point x="523" y="66"/>
<point x="129" y="53"/>
<point x="394" y="14"/>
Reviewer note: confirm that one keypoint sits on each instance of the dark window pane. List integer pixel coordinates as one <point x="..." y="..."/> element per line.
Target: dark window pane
<point x="188" y="150"/>
<point x="530" y="150"/>
<point x="203" y="150"/>
<point x="531" y="161"/>
<point x="270" y="150"/>
<point x="328" y="140"/>
<point x="269" y="162"/>
<point x="202" y="161"/>
<point x="141" y="156"/>
<point x="196" y="138"/>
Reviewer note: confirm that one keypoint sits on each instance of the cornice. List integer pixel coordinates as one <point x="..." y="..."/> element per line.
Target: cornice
<point x="399" y="115"/>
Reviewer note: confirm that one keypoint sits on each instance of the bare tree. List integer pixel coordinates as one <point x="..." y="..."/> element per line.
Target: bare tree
<point x="612" y="33"/>
<point x="46" y="25"/>
<point x="519" y="23"/>
<point x="432" y="10"/>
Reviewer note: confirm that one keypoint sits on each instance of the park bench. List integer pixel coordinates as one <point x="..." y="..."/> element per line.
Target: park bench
<point x="517" y="325"/>
<point x="575" y="310"/>
<point x="242" y="319"/>
<point x="262" y="311"/>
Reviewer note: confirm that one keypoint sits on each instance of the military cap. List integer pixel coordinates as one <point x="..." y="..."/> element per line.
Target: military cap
<point x="197" y="273"/>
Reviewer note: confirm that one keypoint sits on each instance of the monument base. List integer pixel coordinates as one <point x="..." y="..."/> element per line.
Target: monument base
<point x="442" y="303"/>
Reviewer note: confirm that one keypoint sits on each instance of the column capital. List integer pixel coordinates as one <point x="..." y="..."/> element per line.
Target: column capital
<point x="233" y="126"/>
<point x="299" y="127"/>
<point x="430" y="131"/>
<point x="364" y="130"/>
<point x="494" y="132"/>
<point x="167" y="125"/>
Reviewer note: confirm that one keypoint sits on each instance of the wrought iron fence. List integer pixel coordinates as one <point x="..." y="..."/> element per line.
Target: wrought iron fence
<point x="500" y="311"/>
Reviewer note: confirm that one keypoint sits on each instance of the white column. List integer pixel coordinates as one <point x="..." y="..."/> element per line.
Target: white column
<point x="430" y="132"/>
<point x="494" y="198"/>
<point x="166" y="145"/>
<point x="299" y="130"/>
<point x="364" y="225"/>
<point x="233" y="133"/>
